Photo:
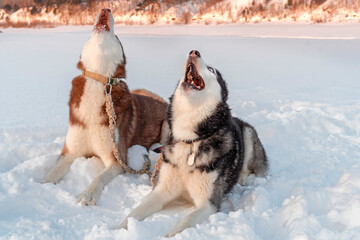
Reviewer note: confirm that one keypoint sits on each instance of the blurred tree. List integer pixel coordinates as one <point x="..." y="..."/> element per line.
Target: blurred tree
<point x="90" y="3"/>
<point x="34" y="10"/>
<point x="40" y="2"/>
<point x="16" y="7"/>
<point x="8" y="7"/>
<point x="144" y="4"/>
<point x="76" y="2"/>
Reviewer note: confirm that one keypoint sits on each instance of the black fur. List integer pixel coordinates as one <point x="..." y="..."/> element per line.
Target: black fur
<point x="221" y="146"/>
<point x="224" y="90"/>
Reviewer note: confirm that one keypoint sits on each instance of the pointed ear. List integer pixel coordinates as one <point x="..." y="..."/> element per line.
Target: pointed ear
<point x="80" y="65"/>
<point x="224" y="89"/>
<point x="122" y="49"/>
<point x="120" y="72"/>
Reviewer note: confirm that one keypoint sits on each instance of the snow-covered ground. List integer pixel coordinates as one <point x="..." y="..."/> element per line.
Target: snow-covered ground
<point x="297" y="84"/>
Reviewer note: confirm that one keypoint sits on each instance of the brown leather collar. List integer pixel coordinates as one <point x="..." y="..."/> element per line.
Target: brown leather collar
<point x="101" y="78"/>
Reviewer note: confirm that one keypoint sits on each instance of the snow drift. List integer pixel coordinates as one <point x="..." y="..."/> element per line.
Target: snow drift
<point x="300" y="92"/>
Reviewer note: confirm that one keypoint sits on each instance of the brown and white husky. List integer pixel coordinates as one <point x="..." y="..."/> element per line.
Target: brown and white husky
<point x="140" y="115"/>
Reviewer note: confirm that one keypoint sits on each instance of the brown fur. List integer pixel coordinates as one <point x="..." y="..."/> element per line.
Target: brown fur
<point x="80" y="65"/>
<point x="139" y="117"/>
<point x="140" y="114"/>
<point x="103" y="114"/>
<point x="90" y="155"/>
<point x="120" y="72"/>
<point x="151" y="115"/>
<point x="147" y="93"/>
<point x="76" y="93"/>
<point x="121" y="100"/>
<point x="65" y="150"/>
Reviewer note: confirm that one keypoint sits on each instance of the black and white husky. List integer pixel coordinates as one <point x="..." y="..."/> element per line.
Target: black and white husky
<point x="208" y="152"/>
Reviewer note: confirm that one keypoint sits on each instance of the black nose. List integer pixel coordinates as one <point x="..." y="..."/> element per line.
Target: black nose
<point x="106" y="10"/>
<point x="194" y="53"/>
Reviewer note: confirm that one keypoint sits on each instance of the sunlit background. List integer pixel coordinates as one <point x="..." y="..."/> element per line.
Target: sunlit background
<point x="48" y="13"/>
<point x="292" y="68"/>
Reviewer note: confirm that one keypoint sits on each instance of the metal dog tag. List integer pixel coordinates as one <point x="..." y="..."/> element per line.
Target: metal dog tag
<point x="191" y="159"/>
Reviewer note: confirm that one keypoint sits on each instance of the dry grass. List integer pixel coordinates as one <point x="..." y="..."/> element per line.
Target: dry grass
<point x="209" y="12"/>
<point x="32" y="24"/>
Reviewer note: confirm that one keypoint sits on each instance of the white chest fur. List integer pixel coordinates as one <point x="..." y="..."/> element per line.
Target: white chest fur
<point x="186" y="118"/>
<point x="188" y="112"/>
<point x="92" y="101"/>
<point x="183" y="155"/>
<point x="93" y="137"/>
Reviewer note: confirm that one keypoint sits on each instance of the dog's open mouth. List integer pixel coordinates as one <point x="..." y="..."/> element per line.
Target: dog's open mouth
<point x="103" y="22"/>
<point x="192" y="78"/>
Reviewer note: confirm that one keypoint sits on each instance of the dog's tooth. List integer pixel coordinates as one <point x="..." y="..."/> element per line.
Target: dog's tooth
<point x="189" y="76"/>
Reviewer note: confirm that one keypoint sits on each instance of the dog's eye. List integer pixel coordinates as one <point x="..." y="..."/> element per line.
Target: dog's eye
<point x="211" y="69"/>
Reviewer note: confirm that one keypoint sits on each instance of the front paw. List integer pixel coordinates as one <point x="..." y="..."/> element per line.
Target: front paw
<point x="123" y="225"/>
<point x="243" y="180"/>
<point x="49" y="179"/>
<point x="87" y="198"/>
<point x="171" y="234"/>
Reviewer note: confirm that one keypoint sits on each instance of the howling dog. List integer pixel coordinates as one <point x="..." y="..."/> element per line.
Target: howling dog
<point x="208" y="150"/>
<point x="140" y="115"/>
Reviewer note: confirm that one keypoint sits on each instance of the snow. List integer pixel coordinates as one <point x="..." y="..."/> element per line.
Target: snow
<point x="297" y="84"/>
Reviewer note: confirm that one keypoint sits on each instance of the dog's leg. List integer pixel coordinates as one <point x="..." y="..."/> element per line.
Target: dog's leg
<point x="259" y="165"/>
<point x="248" y="155"/>
<point x="198" y="216"/>
<point x="152" y="203"/>
<point x="73" y="148"/>
<point x="92" y="193"/>
<point x="61" y="168"/>
<point x="102" y="147"/>
<point x="201" y="191"/>
<point x="167" y="189"/>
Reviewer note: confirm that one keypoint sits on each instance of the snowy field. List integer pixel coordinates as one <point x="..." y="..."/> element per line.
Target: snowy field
<point x="299" y="85"/>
